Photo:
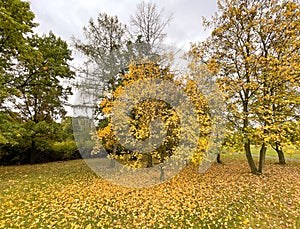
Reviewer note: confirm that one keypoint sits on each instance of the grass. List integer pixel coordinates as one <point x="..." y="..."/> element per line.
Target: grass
<point x="289" y="153"/>
<point x="70" y="195"/>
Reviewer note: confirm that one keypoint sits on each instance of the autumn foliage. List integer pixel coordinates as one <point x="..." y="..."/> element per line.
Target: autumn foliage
<point x="146" y="111"/>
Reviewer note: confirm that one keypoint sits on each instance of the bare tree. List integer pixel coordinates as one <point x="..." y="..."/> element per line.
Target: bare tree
<point x="149" y="23"/>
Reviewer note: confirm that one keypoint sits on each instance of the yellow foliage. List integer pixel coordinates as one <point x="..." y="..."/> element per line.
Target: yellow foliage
<point x="144" y="112"/>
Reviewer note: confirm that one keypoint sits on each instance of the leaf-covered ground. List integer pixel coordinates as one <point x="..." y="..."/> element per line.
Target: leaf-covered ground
<point x="69" y="195"/>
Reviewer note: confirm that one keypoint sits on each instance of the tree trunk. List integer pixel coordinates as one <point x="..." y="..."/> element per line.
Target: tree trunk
<point x="249" y="157"/>
<point x="32" y="153"/>
<point x="219" y="159"/>
<point x="262" y="157"/>
<point x="149" y="161"/>
<point x="281" y="157"/>
<point x="112" y="163"/>
<point x="280" y="154"/>
<point x="162" y="173"/>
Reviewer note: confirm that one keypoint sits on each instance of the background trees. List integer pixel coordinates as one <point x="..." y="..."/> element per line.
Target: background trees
<point x="254" y="52"/>
<point x="110" y="46"/>
<point x="33" y="69"/>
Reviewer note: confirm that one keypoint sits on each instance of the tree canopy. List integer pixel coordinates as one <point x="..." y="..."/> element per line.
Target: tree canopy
<point x="16" y="23"/>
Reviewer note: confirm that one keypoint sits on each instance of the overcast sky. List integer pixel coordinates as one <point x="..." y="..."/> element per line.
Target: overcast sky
<point x="67" y="17"/>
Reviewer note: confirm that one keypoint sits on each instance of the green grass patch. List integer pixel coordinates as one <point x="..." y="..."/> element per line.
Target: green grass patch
<point x="290" y="152"/>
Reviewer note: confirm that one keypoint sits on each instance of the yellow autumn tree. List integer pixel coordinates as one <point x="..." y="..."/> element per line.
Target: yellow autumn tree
<point x="145" y="112"/>
<point x="253" y="51"/>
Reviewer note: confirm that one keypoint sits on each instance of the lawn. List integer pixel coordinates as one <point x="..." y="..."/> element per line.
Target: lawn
<point x="289" y="153"/>
<point x="70" y="195"/>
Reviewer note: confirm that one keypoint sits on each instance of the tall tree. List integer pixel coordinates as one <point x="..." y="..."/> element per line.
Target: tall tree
<point x="280" y="79"/>
<point x="40" y="81"/>
<point x="250" y="51"/>
<point x="153" y="145"/>
<point x="105" y="38"/>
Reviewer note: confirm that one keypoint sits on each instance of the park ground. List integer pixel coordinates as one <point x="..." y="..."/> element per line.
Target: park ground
<point x="70" y="195"/>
